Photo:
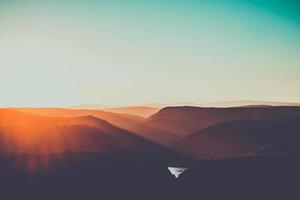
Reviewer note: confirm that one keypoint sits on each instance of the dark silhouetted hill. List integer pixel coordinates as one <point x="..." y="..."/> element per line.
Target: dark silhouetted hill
<point x="258" y="177"/>
<point x="187" y="120"/>
<point x="94" y="175"/>
<point x="243" y="138"/>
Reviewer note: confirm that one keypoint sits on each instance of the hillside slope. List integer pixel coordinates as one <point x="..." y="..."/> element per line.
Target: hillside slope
<point x="131" y="123"/>
<point x="187" y="120"/>
<point x="23" y="132"/>
<point x="242" y="138"/>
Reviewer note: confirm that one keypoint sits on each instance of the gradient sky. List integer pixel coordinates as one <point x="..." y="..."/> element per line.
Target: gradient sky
<point x="68" y="52"/>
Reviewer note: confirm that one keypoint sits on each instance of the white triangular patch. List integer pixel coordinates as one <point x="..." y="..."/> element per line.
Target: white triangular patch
<point x="176" y="171"/>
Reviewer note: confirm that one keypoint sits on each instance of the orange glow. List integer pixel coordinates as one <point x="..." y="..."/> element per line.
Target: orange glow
<point x="31" y="135"/>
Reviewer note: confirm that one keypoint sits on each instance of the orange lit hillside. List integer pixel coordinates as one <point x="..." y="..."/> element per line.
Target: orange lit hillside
<point x="136" y="125"/>
<point x="20" y="131"/>
<point x="142" y="111"/>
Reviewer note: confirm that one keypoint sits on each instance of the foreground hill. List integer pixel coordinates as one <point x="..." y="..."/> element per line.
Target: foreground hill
<point x="93" y="175"/>
<point x="257" y="177"/>
<point x="187" y="120"/>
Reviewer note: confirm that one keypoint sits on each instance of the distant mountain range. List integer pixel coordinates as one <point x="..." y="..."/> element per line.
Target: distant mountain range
<point x="196" y="132"/>
<point x="225" y="104"/>
<point x="248" y="103"/>
<point x="142" y="111"/>
<point x="149" y="109"/>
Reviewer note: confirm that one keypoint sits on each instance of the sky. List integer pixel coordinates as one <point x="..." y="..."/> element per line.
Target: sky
<point x="127" y="52"/>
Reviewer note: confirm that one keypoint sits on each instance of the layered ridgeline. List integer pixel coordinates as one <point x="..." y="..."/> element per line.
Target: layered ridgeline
<point x="231" y="132"/>
<point x="243" y="138"/>
<point x="194" y="131"/>
<point x="90" y="157"/>
<point x="27" y="133"/>
<point x="132" y="123"/>
<point x="187" y="120"/>
<point x="142" y="111"/>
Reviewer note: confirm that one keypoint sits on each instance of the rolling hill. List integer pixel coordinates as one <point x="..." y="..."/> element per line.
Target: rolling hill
<point x="243" y="138"/>
<point x="187" y="120"/>
<point x="25" y="132"/>
<point x="128" y="122"/>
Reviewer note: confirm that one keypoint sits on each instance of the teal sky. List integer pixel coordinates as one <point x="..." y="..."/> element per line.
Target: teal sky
<point x="68" y="52"/>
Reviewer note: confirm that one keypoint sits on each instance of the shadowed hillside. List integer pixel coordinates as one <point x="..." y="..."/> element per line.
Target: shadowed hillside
<point x="187" y="120"/>
<point x="94" y="175"/>
<point x="259" y="177"/>
<point x="241" y="138"/>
